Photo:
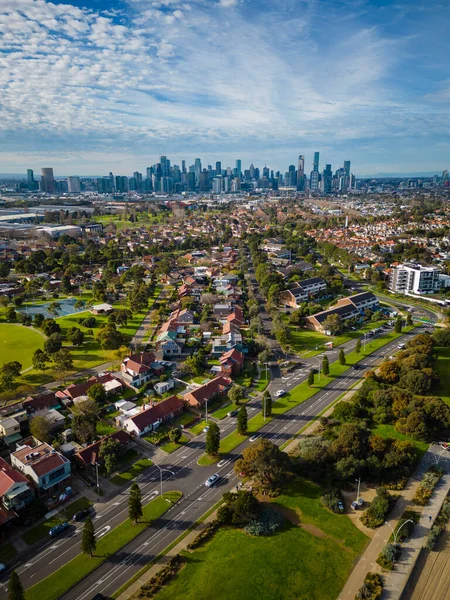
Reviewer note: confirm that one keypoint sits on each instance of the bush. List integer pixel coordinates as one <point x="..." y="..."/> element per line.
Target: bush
<point x="268" y="522"/>
<point x="427" y="485"/>
<point x="372" y="587"/>
<point x="150" y="589"/>
<point x="332" y="499"/>
<point x="439" y="525"/>
<point x="375" y="515"/>
<point x="388" y="556"/>
<point x="204" y="535"/>
<point x="88" y="322"/>
<point x="405" y="532"/>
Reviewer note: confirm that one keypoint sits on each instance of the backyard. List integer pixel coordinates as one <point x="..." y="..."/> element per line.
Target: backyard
<point x="309" y="559"/>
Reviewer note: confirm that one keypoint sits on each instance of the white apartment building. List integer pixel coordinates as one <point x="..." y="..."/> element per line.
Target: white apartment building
<point x="411" y="278"/>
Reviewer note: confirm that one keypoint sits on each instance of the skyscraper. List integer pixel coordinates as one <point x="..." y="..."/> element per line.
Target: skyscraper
<point x="239" y="168"/>
<point x="327" y="179"/>
<point x="218" y="168"/>
<point x="314" y="178"/>
<point x="48" y="181"/>
<point x="30" y="179"/>
<point x="183" y="166"/>
<point x="301" y="183"/>
<point x="197" y="170"/>
<point x="347" y="167"/>
<point x="74" y="185"/>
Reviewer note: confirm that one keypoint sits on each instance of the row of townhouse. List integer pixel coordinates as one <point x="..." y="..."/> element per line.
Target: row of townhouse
<point x="302" y="291"/>
<point x="347" y="308"/>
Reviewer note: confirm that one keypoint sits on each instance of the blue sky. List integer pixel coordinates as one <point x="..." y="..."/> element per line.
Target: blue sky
<point x="89" y="86"/>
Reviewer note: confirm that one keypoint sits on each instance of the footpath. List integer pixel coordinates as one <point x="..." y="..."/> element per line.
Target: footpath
<point x="396" y="580"/>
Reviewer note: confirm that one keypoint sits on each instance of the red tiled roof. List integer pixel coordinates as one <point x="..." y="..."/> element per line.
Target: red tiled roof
<point x="45" y="400"/>
<point x="88" y="455"/>
<point x="235" y="355"/>
<point x="9" y="476"/>
<point x="156" y="412"/>
<point x="205" y="392"/>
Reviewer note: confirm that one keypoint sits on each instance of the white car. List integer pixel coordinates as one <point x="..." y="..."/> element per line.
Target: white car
<point x="205" y="429"/>
<point x="212" y="480"/>
<point x="280" y="393"/>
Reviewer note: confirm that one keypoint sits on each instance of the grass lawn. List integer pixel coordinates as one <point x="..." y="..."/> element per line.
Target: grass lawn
<point x="309" y="343"/>
<point x="103" y="428"/>
<point x="7" y="552"/>
<point x="59" y="582"/>
<point x="388" y="431"/>
<point x="172" y="446"/>
<point x="132" y="472"/>
<point x="292" y="564"/>
<point x="197" y="429"/>
<point x="18" y="342"/>
<point x="40" y="531"/>
<point x="442" y="368"/>
<point x="263" y="382"/>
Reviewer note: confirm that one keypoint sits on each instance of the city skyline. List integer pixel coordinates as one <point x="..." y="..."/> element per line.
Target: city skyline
<point x="94" y="85"/>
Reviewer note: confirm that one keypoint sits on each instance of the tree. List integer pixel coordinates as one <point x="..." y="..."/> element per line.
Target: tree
<point x="110" y="338"/>
<point x="50" y="326"/>
<point x="213" y="439"/>
<point x="8" y="372"/>
<point x="342" y="356"/>
<point x="53" y="343"/>
<point x="311" y="377"/>
<point x="235" y="394"/>
<point x="389" y="371"/>
<point x="54" y="309"/>
<point x="333" y="323"/>
<point x="63" y="360"/>
<point x="15" y="587"/>
<point x="409" y="321"/>
<point x="238" y="509"/>
<point x="11" y="315"/>
<point x="175" y="435"/>
<point x="325" y="365"/>
<point x="40" y="428"/>
<point x="242" y="421"/>
<point x="76" y="336"/>
<point x="265" y="462"/>
<point x="97" y="393"/>
<point x="85" y="416"/>
<point x="38" y="319"/>
<point x="267" y="404"/>
<point x="108" y="452"/>
<point x="88" y="540"/>
<point x="398" y="324"/>
<point x="358" y="346"/>
<point x="40" y="360"/>
<point x="135" y="503"/>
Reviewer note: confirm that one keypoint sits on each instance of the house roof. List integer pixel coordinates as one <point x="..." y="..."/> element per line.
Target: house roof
<point x="234" y="355"/>
<point x="206" y="391"/>
<point x="89" y="455"/>
<point x="42" y="459"/>
<point x="156" y="412"/>
<point x="80" y="389"/>
<point x="363" y="297"/>
<point x="344" y="310"/>
<point x="45" y="400"/>
<point x="9" y="476"/>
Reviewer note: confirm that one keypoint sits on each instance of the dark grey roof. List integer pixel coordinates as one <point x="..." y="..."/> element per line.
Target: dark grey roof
<point x="363" y="297"/>
<point x="343" y="311"/>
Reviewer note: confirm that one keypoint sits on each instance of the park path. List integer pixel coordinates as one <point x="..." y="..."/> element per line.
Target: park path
<point x="367" y="562"/>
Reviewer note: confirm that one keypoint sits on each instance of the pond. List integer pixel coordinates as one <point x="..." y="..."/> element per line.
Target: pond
<point x="66" y="307"/>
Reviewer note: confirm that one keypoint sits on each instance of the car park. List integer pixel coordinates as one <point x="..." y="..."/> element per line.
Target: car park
<point x="80" y="515"/>
<point x="58" y="529"/>
<point x="211" y="481"/>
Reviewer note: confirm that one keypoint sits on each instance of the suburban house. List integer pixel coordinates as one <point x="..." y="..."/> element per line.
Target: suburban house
<point x="226" y="342"/>
<point x="111" y="384"/>
<point x="231" y="362"/>
<point x="301" y="291"/>
<point x="221" y="311"/>
<point x="346" y="308"/>
<point x="44" y="401"/>
<point x="15" y="489"/>
<point x="12" y="419"/>
<point x="169" y="345"/>
<point x="137" y="368"/>
<point x="184" y="316"/>
<point x="236" y="317"/>
<point x="204" y="393"/>
<point x="149" y="419"/>
<point x="89" y="455"/>
<point x="43" y="465"/>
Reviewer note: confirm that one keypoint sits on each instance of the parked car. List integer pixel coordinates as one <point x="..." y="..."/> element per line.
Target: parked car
<point x="341" y="506"/>
<point x="98" y="597"/>
<point x="205" y="429"/>
<point x="58" y="529"/>
<point x="80" y="515"/>
<point x="211" y="481"/>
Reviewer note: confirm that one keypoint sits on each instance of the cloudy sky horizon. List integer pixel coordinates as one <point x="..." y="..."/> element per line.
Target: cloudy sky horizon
<point x="92" y="86"/>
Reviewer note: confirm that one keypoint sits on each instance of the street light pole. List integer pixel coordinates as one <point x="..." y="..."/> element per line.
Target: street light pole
<point x="359" y="485"/>
<point x="96" y="471"/>
<point x="161" y="470"/>
<point x="395" y="533"/>
<point x="206" y="417"/>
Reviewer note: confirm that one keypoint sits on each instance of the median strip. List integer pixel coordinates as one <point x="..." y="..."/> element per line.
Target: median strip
<point x="62" y="580"/>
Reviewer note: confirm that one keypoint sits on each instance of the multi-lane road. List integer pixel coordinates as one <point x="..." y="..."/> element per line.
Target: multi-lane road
<point x="189" y="478"/>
